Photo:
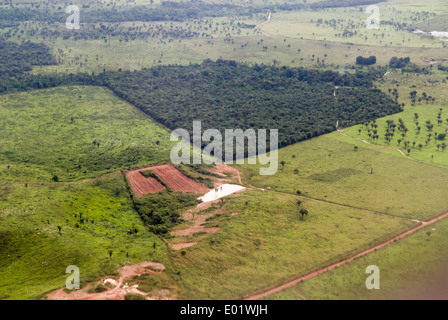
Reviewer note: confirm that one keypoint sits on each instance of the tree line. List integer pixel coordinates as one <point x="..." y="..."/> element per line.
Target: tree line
<point x="166" y="11"/>
<point x="301" y="103"/>
<point x="16" y="59"/>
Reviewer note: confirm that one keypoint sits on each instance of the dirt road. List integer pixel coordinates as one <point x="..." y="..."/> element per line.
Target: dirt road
<point x="366" y="142"/>
<point x="335" y="265"/>
<point x="261" y="24"/>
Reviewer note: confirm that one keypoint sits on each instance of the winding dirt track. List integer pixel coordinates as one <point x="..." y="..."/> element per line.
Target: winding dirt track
<point x="335" y="265"/>
<point x="221" y="168"/>
<point x="261" y="24"/>
<point x="366" y="142"/>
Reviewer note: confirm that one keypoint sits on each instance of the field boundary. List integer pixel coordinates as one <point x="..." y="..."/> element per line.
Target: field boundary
<point x="343" y="205"/>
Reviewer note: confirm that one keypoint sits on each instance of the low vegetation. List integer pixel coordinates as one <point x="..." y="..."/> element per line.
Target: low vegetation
<point x="371" y="177"/>
<point x="161" y="211"/>
<point x="75" y="133"/>
<point x="46" y="227"/>
<point x="269" y="243"/>
<point x="412" y="268"/>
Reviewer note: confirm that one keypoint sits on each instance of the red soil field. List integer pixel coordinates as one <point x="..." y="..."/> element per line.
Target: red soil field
<point x="175" y="179"/>
<point x="141" y="185"/>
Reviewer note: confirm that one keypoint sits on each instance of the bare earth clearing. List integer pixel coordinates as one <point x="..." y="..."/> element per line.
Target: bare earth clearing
<point x="175" y="179"/>
<point x="141" y="185"/>
<point x="222" y="169"/>
<point x="116" y="293"/>
<point x="198" y="219"/>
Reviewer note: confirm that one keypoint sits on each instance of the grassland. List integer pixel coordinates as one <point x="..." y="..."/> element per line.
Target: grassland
<point x="429" y="152"/>
<point x="267" y="235"/>
<point x="268" y="243"/>
<point x="300" y="38"/>
<point x="412" y="268"/>
<point x="95" y="55"/>
<point x="49" y="133"/>
<point x="329" y="168"/>
<point x="318" y="25"/>
<point x="46" y="226"/>
<point x="434" y="84"/>
<point x="94" y="217"/>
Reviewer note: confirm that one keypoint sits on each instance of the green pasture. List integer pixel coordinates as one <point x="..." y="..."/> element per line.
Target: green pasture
<point x="269" y="243"/>
<point x="431" y="152"/>
<point x="343" y="170"/>
<point x="51" y="132"/>
<point x="95" y="217"/>
<point x="411" y="268"/>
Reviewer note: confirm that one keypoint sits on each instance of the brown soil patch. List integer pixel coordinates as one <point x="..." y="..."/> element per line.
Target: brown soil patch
<point x="116" y="293"/>
<point x="221" y="169"/>
<point x="141" y="185"/>
<point x="179" y="246"/>
<point x="175" y="179"/>
<point x="193" y="230"/>
<point x="199" y="220"/>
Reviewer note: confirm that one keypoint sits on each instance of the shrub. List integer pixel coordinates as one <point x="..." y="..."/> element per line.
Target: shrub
<point x="366" y="61"/>
<point x="100" y="288"/>
<point x="132" y="296"/>
<point x="161" y="210"/>
<point x="398" y="62"/>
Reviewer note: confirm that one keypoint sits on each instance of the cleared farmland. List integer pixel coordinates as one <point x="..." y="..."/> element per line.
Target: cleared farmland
<point x="177" y="181"/>
<point x="173" y="178"/>
<point x="142" y="185"/>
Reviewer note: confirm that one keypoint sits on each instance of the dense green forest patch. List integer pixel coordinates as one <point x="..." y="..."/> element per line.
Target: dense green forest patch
<point x="226" y="95"/>
<point x="300" y="103"/>
<point x="162" y="211"/>
<point x="17" y="59"/>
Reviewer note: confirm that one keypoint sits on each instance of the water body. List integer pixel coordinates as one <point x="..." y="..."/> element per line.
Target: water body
<point x="221" y="191"/>
<point x="437" y="34"/>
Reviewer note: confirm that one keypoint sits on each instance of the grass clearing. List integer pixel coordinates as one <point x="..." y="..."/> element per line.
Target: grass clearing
<point x="268" y="243"/>
<point x="429" y="152"/>
<point x="330" y="169"/>
<point x="95" y="217"/>
<point x="411" y="268"/>
<point x="56" y="132"/>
